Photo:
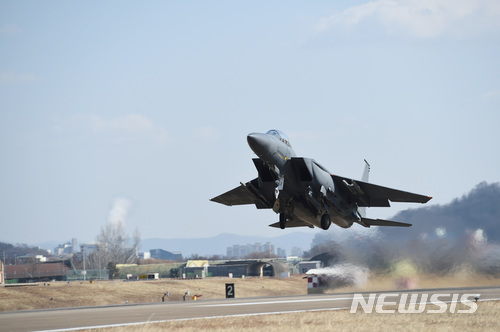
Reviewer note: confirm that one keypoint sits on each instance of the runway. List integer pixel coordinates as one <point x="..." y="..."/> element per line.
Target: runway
<point x="105" y="316"/>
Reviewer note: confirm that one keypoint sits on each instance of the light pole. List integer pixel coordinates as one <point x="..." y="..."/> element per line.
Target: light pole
<point x="84" y="270"/>
<point x="99" y="258"/>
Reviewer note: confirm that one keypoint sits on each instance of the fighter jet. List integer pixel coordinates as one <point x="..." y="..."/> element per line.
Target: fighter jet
<point x="304" y="193"/>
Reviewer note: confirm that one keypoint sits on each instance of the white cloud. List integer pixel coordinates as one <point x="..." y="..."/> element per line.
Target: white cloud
<point x="132" y="123"/>
<point x="10" y="77"/>
<point x="493" y="94"/>
<point x="97" y="123"/>
<point x="419" y="18"/>
<point x="206" y="133"/>
<point x="9" y="30"/>
<point x="129" y="127"/>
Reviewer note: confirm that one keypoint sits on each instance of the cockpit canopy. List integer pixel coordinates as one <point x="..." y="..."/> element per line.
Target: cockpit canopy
<point x="280" y="135"/>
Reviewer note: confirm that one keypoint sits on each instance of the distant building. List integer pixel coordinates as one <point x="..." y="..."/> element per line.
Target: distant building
<point x="66" y="249"/>
<point x="297" y="251"/>
<point x="31" y="258"/>
<point x="165" y="255"/>
<point x="253" y="268"/>
<point x="237" y="251"/>
<point x="88" y="248"/>
<point x="241" y="251"/>
<point x="268" y="247"/>
<point x="281" y="252"/>
<point x="145" y="255"/>
<point x="197" y="263"/>
<point x="303" y="267"/>
<point x="36" y="272"/>
<point x="293" y="259"/>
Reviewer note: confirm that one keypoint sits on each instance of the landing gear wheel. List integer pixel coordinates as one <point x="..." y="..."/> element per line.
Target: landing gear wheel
<point x="325" y="222"/>
<point x="282" y="220"/>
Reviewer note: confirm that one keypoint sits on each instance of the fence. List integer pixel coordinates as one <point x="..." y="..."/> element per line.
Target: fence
<point x="96" y="274"/>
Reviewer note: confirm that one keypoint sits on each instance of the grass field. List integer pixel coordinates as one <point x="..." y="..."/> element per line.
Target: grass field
<point x="79" y="293"/>
<point x="486" y="318"/>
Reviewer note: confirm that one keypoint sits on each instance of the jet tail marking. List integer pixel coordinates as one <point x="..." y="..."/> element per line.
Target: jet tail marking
<point x="364" y="178"/>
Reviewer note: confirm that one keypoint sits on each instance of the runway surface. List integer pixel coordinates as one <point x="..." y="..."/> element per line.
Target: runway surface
<point x="92" y="317"/>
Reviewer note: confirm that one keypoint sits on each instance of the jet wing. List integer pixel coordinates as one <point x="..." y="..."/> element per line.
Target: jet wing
<point x="248" y="193"/>
<point x="238" y="196"/>
<point x="370" y="195"/>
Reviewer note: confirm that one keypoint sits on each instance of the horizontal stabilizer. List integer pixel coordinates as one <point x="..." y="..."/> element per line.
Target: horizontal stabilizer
<point x="382" y="222"/>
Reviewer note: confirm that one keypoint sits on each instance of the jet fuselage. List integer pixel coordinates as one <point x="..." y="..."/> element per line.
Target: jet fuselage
<point x="296" y="197"/>
<point x="304" y="193"/>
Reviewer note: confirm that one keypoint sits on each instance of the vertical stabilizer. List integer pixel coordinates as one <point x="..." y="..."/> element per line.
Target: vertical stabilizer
<point x="364" y="178"/>
<point x="366" y="172"/>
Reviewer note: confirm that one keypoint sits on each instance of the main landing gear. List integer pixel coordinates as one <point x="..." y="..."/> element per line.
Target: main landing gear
<point x="283" y="220"/>
<point x="325" y="221"/>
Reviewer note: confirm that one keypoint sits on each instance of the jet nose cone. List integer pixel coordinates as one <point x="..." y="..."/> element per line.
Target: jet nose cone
<point x="258" y="143"/>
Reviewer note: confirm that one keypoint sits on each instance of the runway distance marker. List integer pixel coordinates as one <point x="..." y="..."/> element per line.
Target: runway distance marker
<point x="229" y="291"/>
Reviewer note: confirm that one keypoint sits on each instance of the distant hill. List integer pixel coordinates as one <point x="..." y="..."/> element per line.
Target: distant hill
<point x="463" y="235"/>
<point x="217" y="245"/>
<point x="479" y="209"/>
<point x="10" y="251"/>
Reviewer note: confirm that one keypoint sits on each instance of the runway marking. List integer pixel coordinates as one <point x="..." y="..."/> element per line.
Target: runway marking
<point x="277" y="302"/>
<point x="193" y="318"/>
<point x="214" y="317"/>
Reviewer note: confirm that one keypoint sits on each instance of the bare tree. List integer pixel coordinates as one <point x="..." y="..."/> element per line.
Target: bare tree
<point x="114" y="245"/>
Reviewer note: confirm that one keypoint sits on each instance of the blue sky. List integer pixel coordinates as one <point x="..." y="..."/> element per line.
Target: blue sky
<point x="145" y="108"/>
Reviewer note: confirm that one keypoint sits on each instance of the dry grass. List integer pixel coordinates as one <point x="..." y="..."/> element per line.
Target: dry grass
<point x="79" y="293"/>
<point x="486" y="318"/>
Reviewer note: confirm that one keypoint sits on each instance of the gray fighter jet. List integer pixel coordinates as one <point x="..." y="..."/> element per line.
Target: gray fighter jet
<point x="304" y="193"/>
